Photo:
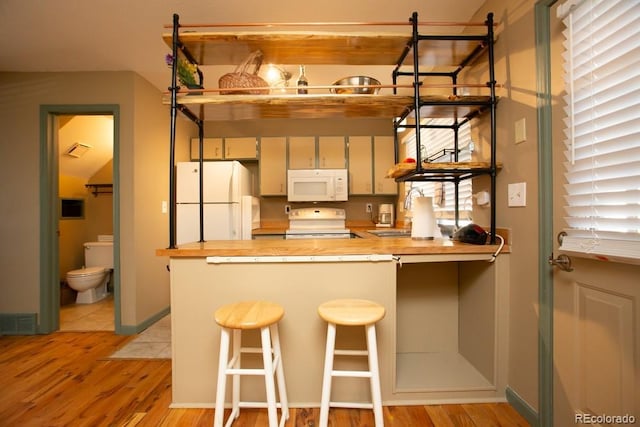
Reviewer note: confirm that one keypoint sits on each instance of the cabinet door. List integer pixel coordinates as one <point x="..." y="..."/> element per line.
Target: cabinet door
<point x="360" y="165"/>
<point x="383" y="155"/>
<point x="331" y="152"/>
<point x="302" y="152"/>
<point x="240" y="148"/>
<point x="273" y="166"/>
<point x="212" y="148"/>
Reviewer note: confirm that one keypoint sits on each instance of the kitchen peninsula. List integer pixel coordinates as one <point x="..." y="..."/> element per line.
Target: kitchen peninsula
<point x="443" y="337"/>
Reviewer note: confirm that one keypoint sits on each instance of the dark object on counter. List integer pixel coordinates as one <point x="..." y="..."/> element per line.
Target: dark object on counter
<point x="471" y="233"/>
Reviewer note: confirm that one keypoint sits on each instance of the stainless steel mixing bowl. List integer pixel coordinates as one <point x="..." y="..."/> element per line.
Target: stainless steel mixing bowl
<point x="356" y="80"/>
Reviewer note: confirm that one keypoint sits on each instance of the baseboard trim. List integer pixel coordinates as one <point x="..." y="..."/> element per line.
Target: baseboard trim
<point x="136" y="329"/>
<point x="523" y="408"/>
<point x="18" y="323"/>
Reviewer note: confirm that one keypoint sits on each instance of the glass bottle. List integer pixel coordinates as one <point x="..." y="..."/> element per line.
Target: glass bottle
<point x="302" y="82"/>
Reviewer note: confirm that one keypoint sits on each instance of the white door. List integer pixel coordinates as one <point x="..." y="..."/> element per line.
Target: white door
<point x="221" y="222"/>
<point x="596" y="315"/>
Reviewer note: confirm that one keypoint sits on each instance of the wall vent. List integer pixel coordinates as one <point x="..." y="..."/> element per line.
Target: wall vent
<point x="18" y="324"/>
<point x="77" y="150"/>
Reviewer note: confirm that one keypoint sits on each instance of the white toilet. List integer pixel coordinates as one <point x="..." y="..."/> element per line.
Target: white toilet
<point x="91" y="281"/>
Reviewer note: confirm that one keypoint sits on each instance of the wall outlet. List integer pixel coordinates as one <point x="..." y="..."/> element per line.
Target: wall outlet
<point x="369" y="208"/>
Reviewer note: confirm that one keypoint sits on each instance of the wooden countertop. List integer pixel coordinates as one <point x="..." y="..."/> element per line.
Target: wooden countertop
<point x="367" y="244"/>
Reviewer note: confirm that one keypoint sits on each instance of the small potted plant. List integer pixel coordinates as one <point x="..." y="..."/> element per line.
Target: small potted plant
<point x="188" y="73"/>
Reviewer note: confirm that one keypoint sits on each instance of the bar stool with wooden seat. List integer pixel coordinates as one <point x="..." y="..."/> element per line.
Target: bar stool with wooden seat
<point x="236" y="318"/>
<point x="351" y="312"/>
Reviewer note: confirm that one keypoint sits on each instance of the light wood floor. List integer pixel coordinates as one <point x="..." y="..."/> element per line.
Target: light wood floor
<point x="65" y="379"/>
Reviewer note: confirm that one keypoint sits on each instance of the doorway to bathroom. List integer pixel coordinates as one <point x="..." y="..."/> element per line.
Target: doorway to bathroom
<point x="80" y="192"/>
<point x="85" y="190"/>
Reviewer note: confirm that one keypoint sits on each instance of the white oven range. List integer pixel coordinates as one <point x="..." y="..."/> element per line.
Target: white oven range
<point x="317" y="223"/>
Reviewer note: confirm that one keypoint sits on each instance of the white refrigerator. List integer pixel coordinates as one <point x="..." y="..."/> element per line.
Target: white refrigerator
<point x="230" y="211"/>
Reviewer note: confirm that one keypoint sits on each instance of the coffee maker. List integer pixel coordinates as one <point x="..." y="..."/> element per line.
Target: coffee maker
<point x="385" y="215"/>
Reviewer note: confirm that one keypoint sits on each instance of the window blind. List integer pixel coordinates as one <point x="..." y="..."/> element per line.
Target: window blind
<point x="602" y="144"/>
<point x="437" y="145"/>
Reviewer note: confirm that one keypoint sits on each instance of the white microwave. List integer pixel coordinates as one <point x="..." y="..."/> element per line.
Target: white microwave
<point x="317" y="185"/>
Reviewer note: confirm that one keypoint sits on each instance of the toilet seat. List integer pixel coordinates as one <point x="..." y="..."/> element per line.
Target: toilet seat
<point x="84" y="272"/>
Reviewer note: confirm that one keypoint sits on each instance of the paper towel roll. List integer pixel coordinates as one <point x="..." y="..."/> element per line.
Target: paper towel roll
<point x="423" y="219"/>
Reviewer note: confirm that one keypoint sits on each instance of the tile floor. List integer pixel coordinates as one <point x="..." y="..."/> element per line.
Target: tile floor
<point x="88" y="317"/>
<point x="152" y="343"/>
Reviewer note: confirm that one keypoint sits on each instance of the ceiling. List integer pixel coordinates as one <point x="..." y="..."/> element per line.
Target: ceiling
<point x="118" y="35"/>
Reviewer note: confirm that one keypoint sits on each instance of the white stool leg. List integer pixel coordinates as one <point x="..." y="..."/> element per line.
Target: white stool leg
<point x="272" y="409"/>
<point x="237" y="357"/>
<point x="222" y="377"/>
<point x="282" y="388"/>
<point x="376" y="398"/>
<point x="328" y="370"/>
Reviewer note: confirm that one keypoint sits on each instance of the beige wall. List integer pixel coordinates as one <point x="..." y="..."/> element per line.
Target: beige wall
<point x="143" y="177"/>
<point x="515" y="68"/>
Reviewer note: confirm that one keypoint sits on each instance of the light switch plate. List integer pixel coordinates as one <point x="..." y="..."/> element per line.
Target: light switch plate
<point x="520" y="131"/>
<point x="517" y="194"/>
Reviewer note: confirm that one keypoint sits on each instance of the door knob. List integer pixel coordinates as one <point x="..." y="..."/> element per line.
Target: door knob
<point x="563" y="262"/>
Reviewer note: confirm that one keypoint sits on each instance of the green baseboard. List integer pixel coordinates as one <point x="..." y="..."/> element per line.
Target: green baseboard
<point x="523" y="408"/>
<point x="136" y="329"/>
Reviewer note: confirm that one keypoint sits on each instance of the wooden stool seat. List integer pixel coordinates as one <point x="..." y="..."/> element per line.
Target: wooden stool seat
<point x="249" y="315"/>
<point x="354" y="312"/>
<point x="233" y="319"/>
<point x="351" y="312"/>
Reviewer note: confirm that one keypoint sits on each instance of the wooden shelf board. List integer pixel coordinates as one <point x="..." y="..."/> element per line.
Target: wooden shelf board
<point x="441" y="169"/>
<point x="313" y="48"/>
<point x="244" y="107"/>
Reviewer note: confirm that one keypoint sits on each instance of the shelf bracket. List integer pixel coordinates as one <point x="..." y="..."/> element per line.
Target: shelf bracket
<point x="100" y="189"/>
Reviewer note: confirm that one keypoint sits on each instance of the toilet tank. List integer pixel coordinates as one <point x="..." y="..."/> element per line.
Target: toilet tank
<point x="98" y="254"/>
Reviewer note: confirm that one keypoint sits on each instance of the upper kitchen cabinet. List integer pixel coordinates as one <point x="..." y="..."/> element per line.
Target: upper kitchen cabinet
<point x="383" y="153"/>
<point x="302" y="152"/>
<point x="369" y="160"/>
<point x="212" y="149"/>
<point x="331" y="152"/>
<point x="225" y="149"/>
<point x="273" y="166"/>
<point x="325" y="152"/>
<point x="360" y="165"/>
<point x="240" y="148"/>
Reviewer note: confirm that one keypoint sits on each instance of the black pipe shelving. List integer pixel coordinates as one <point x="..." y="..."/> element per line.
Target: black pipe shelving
<point x="460" y="109"/>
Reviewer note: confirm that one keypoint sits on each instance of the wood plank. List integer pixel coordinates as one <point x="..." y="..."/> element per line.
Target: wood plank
<point x="323" y="106"/>
<point x="320" y="47"/>
<point x="402" y="169"/>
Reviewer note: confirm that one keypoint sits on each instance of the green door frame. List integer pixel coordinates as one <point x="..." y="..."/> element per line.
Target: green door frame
<point x="49" y="257"/>
<point x="545" y="212"/>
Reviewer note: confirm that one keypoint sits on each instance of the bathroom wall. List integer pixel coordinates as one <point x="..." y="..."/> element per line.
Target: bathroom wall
<point x="100" y="207"/>
<point x="72" y="231"/>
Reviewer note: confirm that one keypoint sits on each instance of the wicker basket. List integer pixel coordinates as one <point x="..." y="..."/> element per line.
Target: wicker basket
<point x="241" y="78"/>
